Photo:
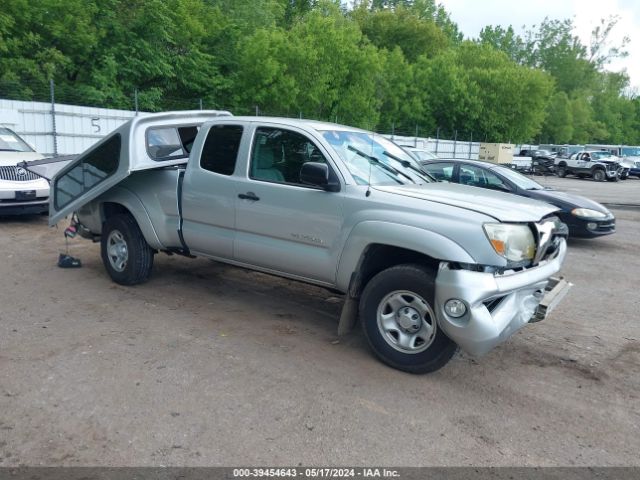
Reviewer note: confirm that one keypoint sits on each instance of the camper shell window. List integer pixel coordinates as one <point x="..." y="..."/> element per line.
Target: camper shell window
<point x="170" y="142"/>
<point x="99" y="164"/>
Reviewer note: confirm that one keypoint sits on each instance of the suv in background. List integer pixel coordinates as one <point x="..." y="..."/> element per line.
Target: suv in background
<point x="21" y="191"/>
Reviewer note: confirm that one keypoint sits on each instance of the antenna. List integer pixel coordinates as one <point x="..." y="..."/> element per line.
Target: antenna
<point x="368" y="192"/>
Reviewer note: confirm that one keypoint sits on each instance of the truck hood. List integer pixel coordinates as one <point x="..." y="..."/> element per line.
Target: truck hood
<point x="9" y="159"/>
<point x="501" y="206"/>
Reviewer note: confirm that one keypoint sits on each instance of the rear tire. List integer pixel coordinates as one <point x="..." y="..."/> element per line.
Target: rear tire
<point x="398" y="319"/>
<point x="126" y="255"/>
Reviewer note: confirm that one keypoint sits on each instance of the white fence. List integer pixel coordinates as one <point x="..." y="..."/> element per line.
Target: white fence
<point x="58" y="129"/>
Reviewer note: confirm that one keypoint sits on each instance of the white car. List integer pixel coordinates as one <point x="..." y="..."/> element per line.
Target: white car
<point x="420" y="153"/>
<point x="21" y="191"/>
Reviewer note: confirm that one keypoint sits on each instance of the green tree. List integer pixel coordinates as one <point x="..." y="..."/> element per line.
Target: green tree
<point x="402" y="28"/>
<point x="322" y="68"/>
<point x="558" y="126"/>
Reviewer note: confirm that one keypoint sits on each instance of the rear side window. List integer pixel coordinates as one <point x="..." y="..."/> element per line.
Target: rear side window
<point x="95" y="167"/>
<point x="220" y="150"/>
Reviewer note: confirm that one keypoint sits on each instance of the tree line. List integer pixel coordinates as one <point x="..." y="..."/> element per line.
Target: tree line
<point x="379" y="64"/>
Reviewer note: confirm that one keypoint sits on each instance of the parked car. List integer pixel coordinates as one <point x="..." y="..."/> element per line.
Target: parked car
<point x="598" y="164"/>
<point x="427" y="266"/>
<point x="634" y="171"/>
<point x="584" y="217"/>
<point x="420" y="153"/>
<point x="21" y="191"/>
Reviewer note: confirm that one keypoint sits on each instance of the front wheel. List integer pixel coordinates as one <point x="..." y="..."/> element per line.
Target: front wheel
<point x="399" y="321"/>
<point x="126" y="254"/>
<point x="561" y="171"/>
<point x="599" y="175"/>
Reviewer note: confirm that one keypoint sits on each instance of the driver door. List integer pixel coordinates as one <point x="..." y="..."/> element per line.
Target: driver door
<point x="283" y="225"/>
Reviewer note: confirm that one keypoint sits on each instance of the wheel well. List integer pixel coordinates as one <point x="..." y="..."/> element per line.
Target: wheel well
<point x="379" y="257"/>
<point x="562" y="164"/>
<point x="110" y="209"/>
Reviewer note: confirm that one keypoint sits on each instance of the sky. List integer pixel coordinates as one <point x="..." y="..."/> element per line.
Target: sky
<point x="472" y="15"/>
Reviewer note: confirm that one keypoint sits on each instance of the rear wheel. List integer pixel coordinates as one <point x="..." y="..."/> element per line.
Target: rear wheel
<point x="599" y="175"/>
<point x="399" y="321"/>
<point x="562" y="170"/>
<point x="126" y="255"/>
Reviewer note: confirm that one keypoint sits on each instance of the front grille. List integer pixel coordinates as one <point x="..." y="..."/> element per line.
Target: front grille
<point x="606" y="227"/>
<point x="17" y="174"/>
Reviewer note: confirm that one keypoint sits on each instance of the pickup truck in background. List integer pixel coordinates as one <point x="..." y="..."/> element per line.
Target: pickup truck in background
<point x="426" y="266"/>
<point x="597" y="164"/>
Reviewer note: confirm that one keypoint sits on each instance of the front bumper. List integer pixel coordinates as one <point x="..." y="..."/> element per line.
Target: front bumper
<point x="589" y="227"/>
<point x="497" y="305"/>
<point x="35" y="193"/>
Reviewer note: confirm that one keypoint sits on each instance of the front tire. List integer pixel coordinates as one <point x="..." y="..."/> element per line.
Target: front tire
<point x="126" y="255"/>
<point x="561" y="170"/>
<point x="599" y="175"/>
<point x="399" y="322"/>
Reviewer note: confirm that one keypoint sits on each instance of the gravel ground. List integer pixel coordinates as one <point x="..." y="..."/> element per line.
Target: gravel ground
<point x="208" y="364"/>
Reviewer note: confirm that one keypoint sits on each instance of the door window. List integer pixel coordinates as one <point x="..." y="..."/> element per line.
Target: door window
<point x="278" y="155"/>
<point x="220" y="150"/>
<point x="479" y="177"/>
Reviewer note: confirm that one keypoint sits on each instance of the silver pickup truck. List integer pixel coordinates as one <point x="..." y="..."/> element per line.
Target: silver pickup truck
<point x="426" y="266"/>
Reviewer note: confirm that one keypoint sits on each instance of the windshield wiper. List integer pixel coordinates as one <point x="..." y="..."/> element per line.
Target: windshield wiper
<point x="9" y="150"/>
<point x="407" y="164"/>
<point x="385" y="166"/>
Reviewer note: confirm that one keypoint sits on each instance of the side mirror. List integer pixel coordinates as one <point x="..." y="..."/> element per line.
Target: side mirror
<point x="317" y="174"/>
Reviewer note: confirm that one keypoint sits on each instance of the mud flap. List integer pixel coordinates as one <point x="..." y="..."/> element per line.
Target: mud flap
<point x="348" y="316"/>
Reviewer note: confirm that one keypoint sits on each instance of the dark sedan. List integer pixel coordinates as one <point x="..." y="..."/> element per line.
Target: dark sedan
<point x="584" y="217"/>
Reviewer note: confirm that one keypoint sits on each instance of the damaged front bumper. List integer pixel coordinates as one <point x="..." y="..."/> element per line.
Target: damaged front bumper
<point x="497" y="305"/>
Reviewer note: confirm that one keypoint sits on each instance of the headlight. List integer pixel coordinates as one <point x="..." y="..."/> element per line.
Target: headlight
<point x="511" y="241"/>
<point x="587" y="213"/>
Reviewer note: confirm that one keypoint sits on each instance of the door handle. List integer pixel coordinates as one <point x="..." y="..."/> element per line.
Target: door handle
<point x="249" y="196"/>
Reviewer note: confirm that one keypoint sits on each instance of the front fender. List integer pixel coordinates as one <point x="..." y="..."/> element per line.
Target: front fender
<point x="417" y="239"/>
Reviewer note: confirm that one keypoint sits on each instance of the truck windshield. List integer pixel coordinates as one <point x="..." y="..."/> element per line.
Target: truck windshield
<point x="372" y="159"/>
<point x="10" y="142"/>
<point x="601" y="155"/>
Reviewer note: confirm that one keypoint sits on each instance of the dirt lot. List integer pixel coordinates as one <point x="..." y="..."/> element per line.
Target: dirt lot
<point x="213" y="365"/>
